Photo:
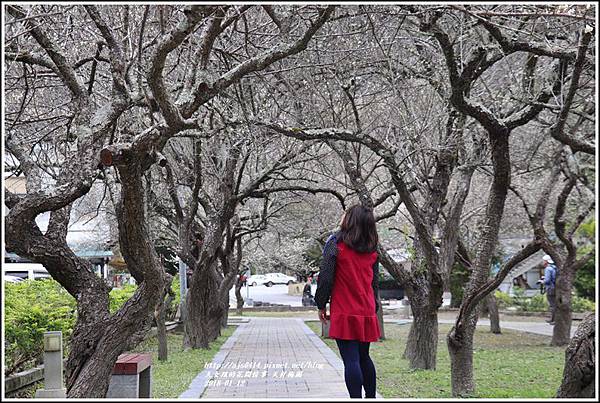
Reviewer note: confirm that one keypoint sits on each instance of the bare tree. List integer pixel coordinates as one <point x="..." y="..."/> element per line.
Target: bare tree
<point x="97" y="337"/>
<point x="223" y="177"/>
<point x="183" y="104"/>
<point x="564" y="253"/>
<point x="425" y="283"/>
<point x="100" y="338"/>
<point x="460" y="338"/>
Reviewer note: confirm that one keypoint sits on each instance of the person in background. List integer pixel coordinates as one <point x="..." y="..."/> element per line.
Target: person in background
<point x="306" y="290"/>
<point x="307" y="297"/>
<point x="550" y="285"/>
<point x="349" y="281"/>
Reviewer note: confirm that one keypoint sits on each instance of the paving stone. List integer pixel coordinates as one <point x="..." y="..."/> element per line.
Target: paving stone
<point x="277" y="347"/>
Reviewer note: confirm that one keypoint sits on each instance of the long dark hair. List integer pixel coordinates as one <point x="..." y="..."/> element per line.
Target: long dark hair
<point x="358" y="229"/>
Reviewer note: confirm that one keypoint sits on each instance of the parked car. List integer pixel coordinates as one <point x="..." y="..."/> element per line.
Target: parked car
<point x="278" y="278"/>
<point x="12" y="279"/>
<point x="389" y="288"/>
<point x="32" y="271"/>
<point x="256" y="279"/>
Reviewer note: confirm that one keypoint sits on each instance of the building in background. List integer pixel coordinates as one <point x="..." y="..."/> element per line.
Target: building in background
<point x="525" y="274"/>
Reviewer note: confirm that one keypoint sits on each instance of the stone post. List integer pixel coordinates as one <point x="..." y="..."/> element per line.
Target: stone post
<point x="53" y="367"/>
<point x="182" y="289"/>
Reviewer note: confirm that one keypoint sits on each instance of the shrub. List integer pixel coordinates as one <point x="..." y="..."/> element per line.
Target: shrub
<point x="579" y="304"/>
<point x="118" y="296"/>
<point x="504" y="300"/>
<point x="459" y="276"/>
<point x="33" y="307"/>
<point x="585" y="280"/>
<point x="175" y="288"/>
<point x="519" y="299"/>
<point x="537" y="303"/>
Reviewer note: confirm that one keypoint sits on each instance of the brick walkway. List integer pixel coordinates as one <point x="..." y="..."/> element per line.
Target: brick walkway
<point x="290" y="362"/>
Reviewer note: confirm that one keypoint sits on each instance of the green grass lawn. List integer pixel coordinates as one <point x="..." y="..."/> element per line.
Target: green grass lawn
<point x="173" y="377"/>
<point x="513" y="364"/>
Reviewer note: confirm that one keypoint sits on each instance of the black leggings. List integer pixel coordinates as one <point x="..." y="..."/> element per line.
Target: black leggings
<point x="359" y="370"/>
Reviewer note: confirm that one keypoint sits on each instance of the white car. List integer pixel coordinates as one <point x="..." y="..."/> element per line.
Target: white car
<point x="278" y="278"/>
<point x="256" y="279"/>
<point x="12" y="279"/>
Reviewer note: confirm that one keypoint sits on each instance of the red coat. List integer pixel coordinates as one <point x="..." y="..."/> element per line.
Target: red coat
<point x="352" y="309"/>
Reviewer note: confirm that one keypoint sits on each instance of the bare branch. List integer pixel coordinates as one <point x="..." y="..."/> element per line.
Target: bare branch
<point x="261" y="193"/>
<point x="116" y="53"/>
<point x="472" y="299"/>
<point x="559" y="211"/>
<point x="168" y="43"/>
<point x="204" y="91"/>
<point x="67" y="74"/>
<point x="173" y="193"/>
<point x="557" y="130"/>
<point x="513" y="45"/>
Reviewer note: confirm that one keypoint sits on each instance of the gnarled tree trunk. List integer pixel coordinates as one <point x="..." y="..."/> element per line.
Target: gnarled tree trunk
<point x="492" y="308"/>
<point x="238" y="296"/>
<point x="380" y="320"/>
<point x="205" y="310"/>
<point x="161" y="332"/>
<point x="580" y="366"/>
<point x="208" y="296"/>
<point x="225" y="303"/>
<point x="421" y="345"/>
<point x="461" y="358"/>
<point x="130" y="324"/>
<point x="160" y="317"/>
<point x="561" y="334"/>
<point x="97" y="338"/>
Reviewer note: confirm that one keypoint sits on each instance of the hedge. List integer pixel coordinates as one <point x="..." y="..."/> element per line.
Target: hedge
<point x="539" y="302"/>
<point x="32" y="307"/>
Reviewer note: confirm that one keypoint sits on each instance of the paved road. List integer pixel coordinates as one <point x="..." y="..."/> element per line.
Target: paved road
<point x="272" y="358"/>
<point x="542" y="328"/>
<point x="277" y="294"/>
<point x="530" y="327"/>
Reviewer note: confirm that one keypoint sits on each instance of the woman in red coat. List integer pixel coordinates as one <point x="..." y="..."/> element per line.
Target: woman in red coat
<point x="349" y="278"/>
